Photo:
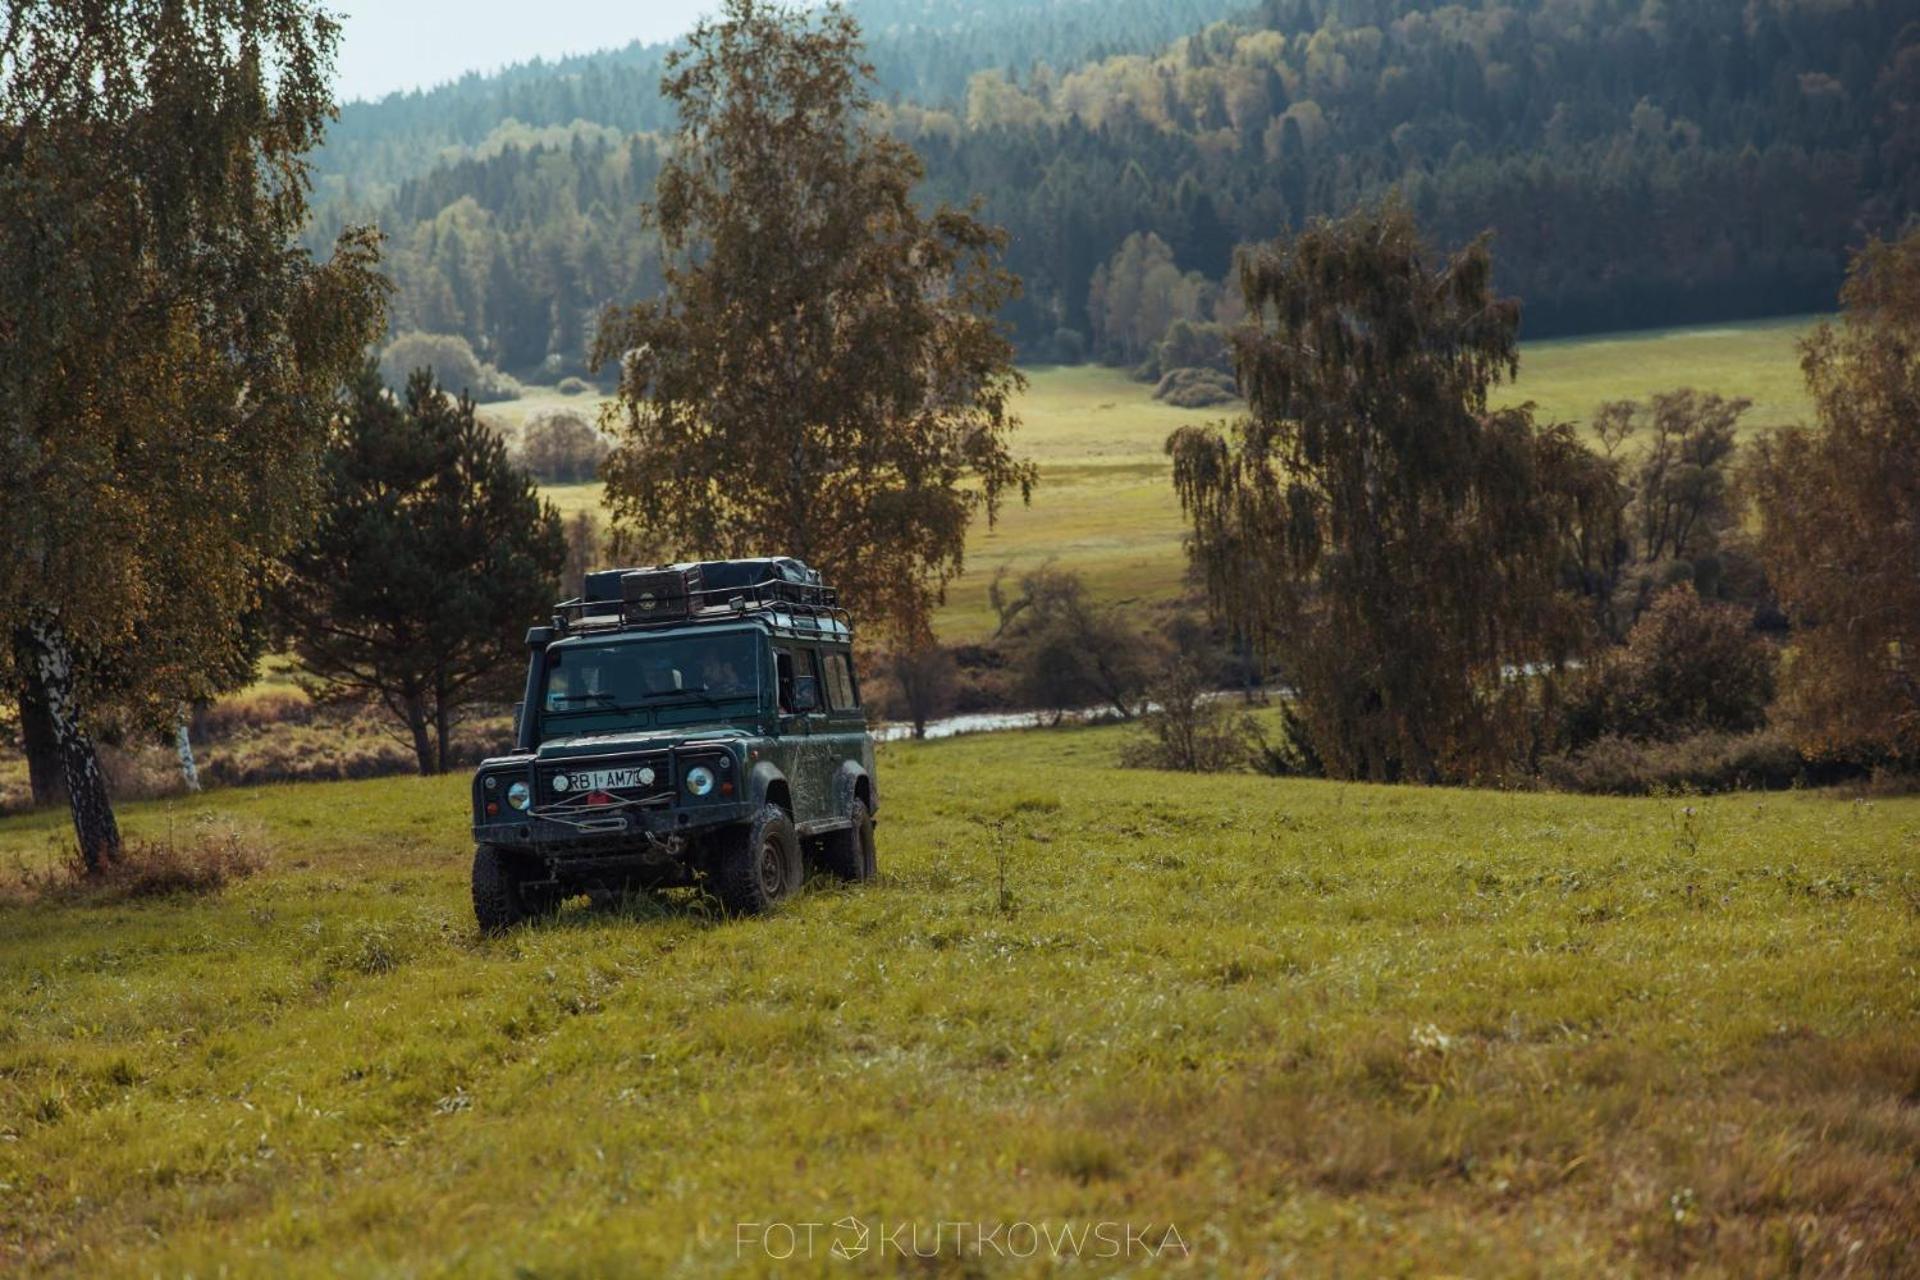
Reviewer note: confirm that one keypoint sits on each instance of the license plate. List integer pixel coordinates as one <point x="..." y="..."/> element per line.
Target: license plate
<point x="603" y="780"/>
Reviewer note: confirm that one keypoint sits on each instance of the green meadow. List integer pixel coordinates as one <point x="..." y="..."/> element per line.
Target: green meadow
<point x="1105" y="506"/>
<point x="1313" y="1028"/>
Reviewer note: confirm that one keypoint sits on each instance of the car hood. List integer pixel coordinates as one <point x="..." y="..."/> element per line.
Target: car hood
<point x="618" y="743"/>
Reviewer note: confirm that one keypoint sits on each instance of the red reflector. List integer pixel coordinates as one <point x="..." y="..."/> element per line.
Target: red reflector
<point x="726" y="788"/>
<point x="492" y="808"/>
<point x="599" y="797"/>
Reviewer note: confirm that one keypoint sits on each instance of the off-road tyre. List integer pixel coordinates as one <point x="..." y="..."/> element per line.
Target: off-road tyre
<point x="499" y="903"/>
<point x="849" y="854"/>
<point x="757" y="865"/>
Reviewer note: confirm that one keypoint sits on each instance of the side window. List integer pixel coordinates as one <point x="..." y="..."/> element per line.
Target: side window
<point x="783" y="667"/>
<point x="810" y="666"/>
<point x="840" y="691"/>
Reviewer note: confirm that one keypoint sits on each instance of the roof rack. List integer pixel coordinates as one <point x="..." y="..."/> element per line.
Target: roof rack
<point x="782" y="589"/>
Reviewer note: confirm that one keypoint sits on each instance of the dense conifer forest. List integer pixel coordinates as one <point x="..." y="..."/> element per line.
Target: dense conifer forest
<point x="1638" y="163"/>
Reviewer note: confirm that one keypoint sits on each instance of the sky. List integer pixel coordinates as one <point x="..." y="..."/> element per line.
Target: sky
<point x="415" y="44"/>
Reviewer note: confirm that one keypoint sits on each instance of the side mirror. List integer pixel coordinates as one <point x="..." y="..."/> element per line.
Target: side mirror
<point x="519" y="714"/>
<point x="806" y="694"/>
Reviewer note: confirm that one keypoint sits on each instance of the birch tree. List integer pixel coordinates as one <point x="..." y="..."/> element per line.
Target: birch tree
<point x="1839" y="507"/>
<point x="167" y="356"/>
<point x="1396" y="545"/>
<point x="825" y="376"/>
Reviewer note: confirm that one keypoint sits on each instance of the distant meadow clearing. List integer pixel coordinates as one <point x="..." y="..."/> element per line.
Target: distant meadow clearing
<point x="1106" y="509"/>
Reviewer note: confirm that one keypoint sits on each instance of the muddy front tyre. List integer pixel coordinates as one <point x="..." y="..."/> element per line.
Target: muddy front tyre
<point x="499" y="900"/>
<point x="849" y="854"/>
<point x="757" y="866"/>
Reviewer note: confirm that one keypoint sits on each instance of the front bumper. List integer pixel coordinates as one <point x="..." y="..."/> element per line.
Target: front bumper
<point x="598" y="832"/>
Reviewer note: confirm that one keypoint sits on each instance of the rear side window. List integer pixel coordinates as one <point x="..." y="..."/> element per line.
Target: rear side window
<point x="841" y="694"/>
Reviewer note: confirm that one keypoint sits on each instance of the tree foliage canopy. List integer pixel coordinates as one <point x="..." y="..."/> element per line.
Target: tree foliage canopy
<point x="825" y="372"/>
<point x="1398" y="548"/>
<point x="166" y="355"/>
<point x="1839" y="505"/>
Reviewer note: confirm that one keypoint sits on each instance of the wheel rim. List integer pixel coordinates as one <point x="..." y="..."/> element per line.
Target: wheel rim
<point x="772" y="867"/>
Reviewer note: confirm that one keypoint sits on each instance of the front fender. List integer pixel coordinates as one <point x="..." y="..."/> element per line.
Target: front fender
<point x="763" y="778"/>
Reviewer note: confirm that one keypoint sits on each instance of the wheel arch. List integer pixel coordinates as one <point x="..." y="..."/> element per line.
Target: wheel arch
<point x="851" y="783"/>
<point x="767" y="785"/>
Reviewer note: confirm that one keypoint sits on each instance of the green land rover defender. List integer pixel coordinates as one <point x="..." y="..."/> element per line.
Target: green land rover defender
<point x="683" y="724"/>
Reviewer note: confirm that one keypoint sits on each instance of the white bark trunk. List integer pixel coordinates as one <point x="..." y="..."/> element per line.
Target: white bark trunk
<point x="183" y="742"/>
<point x="93" y="821"/>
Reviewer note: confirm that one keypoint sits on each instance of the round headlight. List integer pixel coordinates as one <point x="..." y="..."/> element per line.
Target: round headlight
<point x="699" y="780"/>
<point x="518" y="795"/>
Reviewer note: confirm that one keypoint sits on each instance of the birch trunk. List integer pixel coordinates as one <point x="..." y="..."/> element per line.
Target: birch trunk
<point x="93" y="821"/>
<point x="183" y="743"/>
<point x="37" y="742"/>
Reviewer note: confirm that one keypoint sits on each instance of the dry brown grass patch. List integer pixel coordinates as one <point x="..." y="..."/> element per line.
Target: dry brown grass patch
<point x="203" y="859"/>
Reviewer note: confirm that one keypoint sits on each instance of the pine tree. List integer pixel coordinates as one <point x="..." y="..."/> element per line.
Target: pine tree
<point x="433" y="557"/>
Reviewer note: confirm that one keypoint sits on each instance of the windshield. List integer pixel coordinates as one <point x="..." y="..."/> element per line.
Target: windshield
<point x="629" y="675"/>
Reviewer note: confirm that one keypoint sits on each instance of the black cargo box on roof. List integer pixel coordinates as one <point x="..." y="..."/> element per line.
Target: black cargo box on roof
<point x="704" y="591"/>
<point x="707" y="576"/>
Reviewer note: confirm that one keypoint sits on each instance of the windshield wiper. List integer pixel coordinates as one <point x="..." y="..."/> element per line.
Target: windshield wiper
<point x="700" y="694"/>
<point x="605" y="702"/>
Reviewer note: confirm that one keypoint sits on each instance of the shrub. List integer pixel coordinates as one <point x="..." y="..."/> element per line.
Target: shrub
<point x="1293" y="755"/>
<point x="1064" y="651"/>
<point x="915" y="685"/>
<point x="1196" y="345"/>
<point x="1688" y="667"/>
<point x="573" y="386"/>
<point x="559" y="446"/>
<point x="1187" y="731"/>
<point x="1195" y="388"/>
<point x="252" y="710"/>
<point x="453" y="362"/>
<point x="1615" y="765"/>
<point x="1069" y="346"/>
<point x="211" y="855"/>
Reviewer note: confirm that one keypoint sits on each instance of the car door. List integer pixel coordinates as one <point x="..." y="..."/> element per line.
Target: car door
<point x="820" y="761"/>
<point x="802" y="733"/>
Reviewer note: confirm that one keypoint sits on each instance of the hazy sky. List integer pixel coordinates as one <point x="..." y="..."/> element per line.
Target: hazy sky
<point x="415" y="44"/>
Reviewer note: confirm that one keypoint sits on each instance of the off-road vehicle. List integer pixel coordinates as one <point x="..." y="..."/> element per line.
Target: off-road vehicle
<point x="683" y="724"/>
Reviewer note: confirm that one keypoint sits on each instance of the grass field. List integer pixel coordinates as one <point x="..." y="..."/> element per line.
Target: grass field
<point x="1314" y="1028"/>
<point x="1105" y="506"/>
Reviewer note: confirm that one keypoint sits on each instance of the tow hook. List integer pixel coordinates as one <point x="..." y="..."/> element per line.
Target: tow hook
<point x="666" y="846"/>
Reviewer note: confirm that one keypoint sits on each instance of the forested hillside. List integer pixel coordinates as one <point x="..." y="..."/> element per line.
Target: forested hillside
<point x="1638" y="163"/>
<point x="922" y="50"/>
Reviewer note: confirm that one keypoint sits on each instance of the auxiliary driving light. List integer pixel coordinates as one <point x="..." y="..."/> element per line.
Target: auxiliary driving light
<point x="518" y="795"/>
<point x="699" y="780"/>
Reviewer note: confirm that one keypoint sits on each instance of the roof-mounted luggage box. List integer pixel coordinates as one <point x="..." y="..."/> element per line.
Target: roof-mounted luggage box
<point x="659" y="595"/>
<point x="698" y="591"/>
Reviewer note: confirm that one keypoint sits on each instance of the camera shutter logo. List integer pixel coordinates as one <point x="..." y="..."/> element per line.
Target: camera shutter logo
<point x="850" y="1249"/>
